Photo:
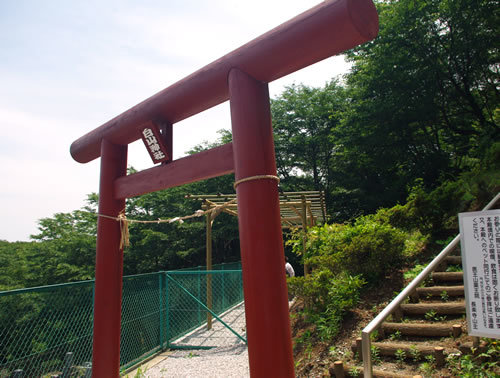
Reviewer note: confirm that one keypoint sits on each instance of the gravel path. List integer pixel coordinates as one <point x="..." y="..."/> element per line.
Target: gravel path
<point x="228" y="358"/>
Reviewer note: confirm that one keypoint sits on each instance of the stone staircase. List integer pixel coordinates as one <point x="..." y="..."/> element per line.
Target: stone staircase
<point x="428" y="328"/>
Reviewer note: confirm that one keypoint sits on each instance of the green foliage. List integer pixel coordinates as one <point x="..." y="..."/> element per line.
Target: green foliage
<point x="328" y="297"/>
<point x="432" y="316"/>
<point x="395" y="336"/>
<point x="413" y="272"/>
<point x="400" y="357"/>
<point x="304" y="338"/>
<point x="371" y="246"/>
<point x="480" y="365"/>
<point x="424" y="98"/>
<point x="354" y="371"/>
<point x="15" y="263"/>
<point x="415" y="353"/>
<point x="375" y="352"/>
<point x="63" y="251"/>
<point x="444" y="296"/>
<point x="305" y="121"/>
<point x="168" y="246"/>
<point x="429" y="366"/>
<point x="436" y="210"/>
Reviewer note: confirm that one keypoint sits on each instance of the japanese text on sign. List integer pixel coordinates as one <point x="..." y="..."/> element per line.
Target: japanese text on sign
<point x="151" y="137"/>
<point x="152" y="143"/>
<point x="480" y="243"/>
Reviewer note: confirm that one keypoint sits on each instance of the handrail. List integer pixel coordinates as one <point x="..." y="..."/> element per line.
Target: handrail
<point x="377" y="321"/>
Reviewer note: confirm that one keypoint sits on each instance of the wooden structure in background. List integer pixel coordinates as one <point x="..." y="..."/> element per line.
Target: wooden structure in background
<point x="297" y="210"/>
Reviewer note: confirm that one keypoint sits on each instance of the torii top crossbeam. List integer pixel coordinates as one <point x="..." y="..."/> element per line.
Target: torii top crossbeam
<point x="241" y="77"/>
<point x="323" y="31"/>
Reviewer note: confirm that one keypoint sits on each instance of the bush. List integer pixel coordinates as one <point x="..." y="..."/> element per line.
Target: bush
<point x="483" y="364"/>
<point x="371" y="247"/>
<point x="327" y="297"/>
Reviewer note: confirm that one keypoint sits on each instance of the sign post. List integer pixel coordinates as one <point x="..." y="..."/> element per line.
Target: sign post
<point x="480" y="245"/>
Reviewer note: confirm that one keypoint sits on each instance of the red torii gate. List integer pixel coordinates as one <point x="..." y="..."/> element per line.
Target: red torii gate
<point x="240" y="77"/>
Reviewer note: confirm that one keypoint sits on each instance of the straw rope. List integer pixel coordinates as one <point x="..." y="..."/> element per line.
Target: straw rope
<point x="124" y="221"/>
<point x="258" y="177"/>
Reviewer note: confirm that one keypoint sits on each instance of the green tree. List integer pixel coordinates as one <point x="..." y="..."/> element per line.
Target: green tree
<point x="305" y="121"/>
<point x="64" y="248"/>
<point x="423" y="98"/>
<point x="14" y="265"/>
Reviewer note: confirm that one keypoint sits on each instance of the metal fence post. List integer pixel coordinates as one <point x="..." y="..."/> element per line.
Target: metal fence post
<point x="199" y="295"/>
<point x="167" y="305"/>
<point x="223" y="289"/>
<point x="68" y="362"/>
<point x="160" y="303"/>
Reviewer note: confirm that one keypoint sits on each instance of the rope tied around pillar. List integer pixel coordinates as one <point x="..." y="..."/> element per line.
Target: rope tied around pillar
<point x="258" y="177"/>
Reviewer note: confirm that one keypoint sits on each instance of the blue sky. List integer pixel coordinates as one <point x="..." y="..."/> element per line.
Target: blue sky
<point x="66" y="67"/>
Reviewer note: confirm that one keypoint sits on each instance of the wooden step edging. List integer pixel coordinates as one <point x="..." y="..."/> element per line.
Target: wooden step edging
<point x="453" y="260"/>
<point x="437" y="291"/>
<point x="390" y="349"/>
<point x="448" y="308"/>
<point x="339" y="370"/>
<point x="447" y="276"/>
<point x="420" y="329"/>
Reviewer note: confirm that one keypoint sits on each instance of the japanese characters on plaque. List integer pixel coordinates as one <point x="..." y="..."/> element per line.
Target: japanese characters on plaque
<point x="480" y="244"/>
<point x="153" y="141"/>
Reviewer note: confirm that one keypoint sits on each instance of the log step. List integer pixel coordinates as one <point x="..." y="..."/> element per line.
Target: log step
<point x="447" y="308"/>
<point x="339" y="370"/>
<point x="390" y="349"/>
<point x="437" y="291"/>
<point x="448" y="276"/>
<point x="453" y="260"/>
<point x="421" y="329"/>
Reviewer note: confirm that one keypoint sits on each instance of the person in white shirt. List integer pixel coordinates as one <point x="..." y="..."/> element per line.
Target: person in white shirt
<point x="289" y="269"/>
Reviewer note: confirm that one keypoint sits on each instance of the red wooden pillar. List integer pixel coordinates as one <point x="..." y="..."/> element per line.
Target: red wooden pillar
<point x="108" y="266"/>
<point x="261" y="239"/>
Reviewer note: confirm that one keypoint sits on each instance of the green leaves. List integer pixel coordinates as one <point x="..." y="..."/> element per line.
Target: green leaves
<point x="328" y="297"/>
<point x="370" y="246"/>
<point x="304" y="123"/>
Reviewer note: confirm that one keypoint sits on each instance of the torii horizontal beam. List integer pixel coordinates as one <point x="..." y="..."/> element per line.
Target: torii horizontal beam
<point x="201" y="166"/>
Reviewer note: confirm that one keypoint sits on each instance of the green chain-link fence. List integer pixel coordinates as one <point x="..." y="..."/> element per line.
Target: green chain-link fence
<point x="45" y="330"/>
<point x="197" y="297"/>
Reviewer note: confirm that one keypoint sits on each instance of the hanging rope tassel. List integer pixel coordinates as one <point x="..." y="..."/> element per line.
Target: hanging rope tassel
<point x="124" y="240"/>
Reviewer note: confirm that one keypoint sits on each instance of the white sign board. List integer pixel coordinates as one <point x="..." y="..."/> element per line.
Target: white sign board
<point x="480" y="244"/>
